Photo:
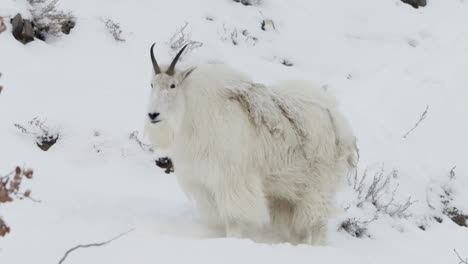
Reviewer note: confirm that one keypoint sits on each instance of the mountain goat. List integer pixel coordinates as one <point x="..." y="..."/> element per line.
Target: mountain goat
<point x="241" y="149"/>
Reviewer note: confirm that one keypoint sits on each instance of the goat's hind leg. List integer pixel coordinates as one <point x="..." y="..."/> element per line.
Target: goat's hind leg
<point x="310" y="219"/>
<point x="319" y="233"/>
<point x="280" y="211"/>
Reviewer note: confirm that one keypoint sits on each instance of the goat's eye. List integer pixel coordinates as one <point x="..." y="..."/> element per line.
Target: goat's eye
<point x="172" y="86"/>
<point x="151" y="85"/>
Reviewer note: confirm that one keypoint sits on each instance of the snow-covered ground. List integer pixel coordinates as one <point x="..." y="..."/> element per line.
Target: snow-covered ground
<point x="385" y="61"/>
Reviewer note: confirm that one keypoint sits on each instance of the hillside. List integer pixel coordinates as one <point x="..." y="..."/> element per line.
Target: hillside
<point x="391" y="66"/>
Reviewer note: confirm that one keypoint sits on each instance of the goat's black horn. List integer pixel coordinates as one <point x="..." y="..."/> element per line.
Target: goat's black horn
<point x="170" y="70"/>
<point x="153" y="59"/>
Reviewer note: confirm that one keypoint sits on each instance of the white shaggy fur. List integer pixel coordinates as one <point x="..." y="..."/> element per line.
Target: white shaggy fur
<point x="241" y="148"/>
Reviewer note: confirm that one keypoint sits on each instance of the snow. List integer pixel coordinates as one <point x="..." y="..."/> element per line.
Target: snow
<point x="384" y="60"/>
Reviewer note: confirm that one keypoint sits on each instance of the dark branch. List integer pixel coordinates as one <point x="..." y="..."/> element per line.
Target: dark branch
<point x="462" y="261"/>
<point x="92" y="245"/>
<point x="421" y="118"/>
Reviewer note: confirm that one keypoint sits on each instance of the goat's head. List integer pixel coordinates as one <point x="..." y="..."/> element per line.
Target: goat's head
<point x="167" y="102"/>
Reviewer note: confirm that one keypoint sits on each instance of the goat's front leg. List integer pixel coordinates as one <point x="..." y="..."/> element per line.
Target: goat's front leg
<point x="234" y="229"/>
<point x="241" y="204"/>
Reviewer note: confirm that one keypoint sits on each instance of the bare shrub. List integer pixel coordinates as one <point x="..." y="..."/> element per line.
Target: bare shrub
<point x="4" y="229"/>
<point x="10" y="189"/>
<point x="374" y="193"/>
<point x="249" y="38"/>
<point x="237" y="36"/>
<point x="2" y="25"/>
<point x="181" y="38"/>
<point x="44" y="136"/>
<point x="135" y="137"/>
<point x="380" y="192"/>
<point x="114" y="29"/>
<point x="163" y="162"/>
<point x="456" y="215"/>
<point x="49" y="20"/>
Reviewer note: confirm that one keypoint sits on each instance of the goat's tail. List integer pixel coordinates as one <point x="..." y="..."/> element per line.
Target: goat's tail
<point x="346" y="142"/>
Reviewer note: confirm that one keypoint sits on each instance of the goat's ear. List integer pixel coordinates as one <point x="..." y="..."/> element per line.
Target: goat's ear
<point x="187" y="72"/>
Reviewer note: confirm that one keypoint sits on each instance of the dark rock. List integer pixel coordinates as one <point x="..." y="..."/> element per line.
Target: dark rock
<point x="354" y="228"/>
<point x="23" y="29"/>
<point x="45" y="142"/>
<point x="165" y="163"/>
<point x="67" y="25"/>
<point x="287" y="62"/>
<point x="17" y="23"/>
<point x="248" y="2"/>
<point x="415" y="3"/>
<point x="28" y="31"/>
<point x="39" y="33"/>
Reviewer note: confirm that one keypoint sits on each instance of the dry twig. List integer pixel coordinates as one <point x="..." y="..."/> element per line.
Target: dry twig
<point x="1" y="87"/>
<point x="45" y="137"/>
<point x="182" y="38"/>
<point x="93" y="245"/>
<point x="452" y="173"/>
<point x="461" y="261"/>
<point x="145" y="147"/>
<point x="421" y="118"/>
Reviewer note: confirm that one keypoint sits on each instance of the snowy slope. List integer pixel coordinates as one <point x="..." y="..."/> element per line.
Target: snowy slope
<point x="384" y="60"/>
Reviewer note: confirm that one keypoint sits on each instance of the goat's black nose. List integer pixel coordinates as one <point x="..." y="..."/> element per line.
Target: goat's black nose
<point x="153" y="116"/>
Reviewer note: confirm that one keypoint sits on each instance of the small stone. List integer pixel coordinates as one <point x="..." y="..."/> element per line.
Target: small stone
<point x="244" y="2"/>
<point x="287" y="62"/>
<point x="415" y="3"/>
<point x="267" y="25"/>
<point x="413" y="43"/>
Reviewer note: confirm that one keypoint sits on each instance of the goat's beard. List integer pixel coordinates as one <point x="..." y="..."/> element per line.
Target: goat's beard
<point x="160" y="135"/>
